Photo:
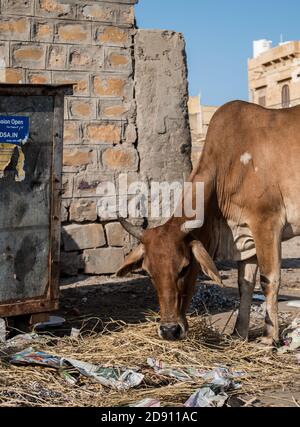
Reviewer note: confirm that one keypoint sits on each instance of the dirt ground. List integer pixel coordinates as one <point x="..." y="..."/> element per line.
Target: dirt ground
<point x="89" y="302"/>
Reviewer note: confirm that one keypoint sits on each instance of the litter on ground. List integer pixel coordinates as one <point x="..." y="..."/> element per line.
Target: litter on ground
<point x="205" y="369"/>
<point x="118" y="378"/>
<point x="146" y="403"/>
<point x="295" y="304"/>
<point x="291" y="337"/>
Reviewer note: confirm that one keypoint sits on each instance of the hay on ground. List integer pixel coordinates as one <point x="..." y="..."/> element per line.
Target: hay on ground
<point x="130" y="346"/>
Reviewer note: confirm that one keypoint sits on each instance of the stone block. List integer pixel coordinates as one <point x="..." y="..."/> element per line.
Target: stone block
<point x="115" y="234"/>
<point x="103" y="261"/>
<point x="82" y="210"/>
<point x="77" y="237"/>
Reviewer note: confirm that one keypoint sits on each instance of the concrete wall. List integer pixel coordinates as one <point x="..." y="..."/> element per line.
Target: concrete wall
<point x="164" y="140"/>
<point x="128" y="113"/>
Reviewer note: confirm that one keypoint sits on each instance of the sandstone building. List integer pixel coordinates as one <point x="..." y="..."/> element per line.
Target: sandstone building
<point x="274" y="74"/>
<point x="200" y="117"/>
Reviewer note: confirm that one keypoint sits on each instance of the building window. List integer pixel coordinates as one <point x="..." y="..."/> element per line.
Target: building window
<point x="262" y="101"/>
<point x="285" y="96"/>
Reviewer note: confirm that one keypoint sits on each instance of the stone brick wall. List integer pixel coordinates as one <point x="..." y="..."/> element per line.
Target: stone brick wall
<point x="95" y="45"/>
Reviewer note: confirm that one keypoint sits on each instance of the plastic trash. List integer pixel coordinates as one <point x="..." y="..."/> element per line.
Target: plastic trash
<point x="205" y="397"/>
<point x="294" y="304"/>
<point x="75" y="333"/>
<point x="291" y="337"/>
<point x="181" y="374"/>
<point x="258" y="297"/>
<point x="214" y="394"/>
<point x="54" y="321"/>
<point x="146" y="403"/>
<point x="117" y="378"/>
<point x="220" y="375"/>
<point x="23" y="340"/>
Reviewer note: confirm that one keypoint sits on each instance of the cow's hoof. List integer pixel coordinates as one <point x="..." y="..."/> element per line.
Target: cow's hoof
<point x="239" y="337"/>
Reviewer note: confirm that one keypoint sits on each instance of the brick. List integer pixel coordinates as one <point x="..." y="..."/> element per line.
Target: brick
<point x="112" y="109"/>
<point x="29" y="56"/>
<point x="80" y="81"/>
<point x="107" y="208"/>
<point x="115" y="234"/>
<point x="70" y="263"/>
<point x="118" y="59"/>
<point x="77" y="237"/>
<point x="42" y="31"/>
<point x="39" y="77"/>
<point x="56" y="9"/>
<point x="72" y="132"/>
<point x="83" y="109"/>
<point x="109" y="86"/>
<point x="76" y="159"/>
<point x="103" y="261"/>
<point x="98" y="12"/>
<point x="14" y="28"/>
<point x="14" y="75"/>
<point x="126" y="15"/>
<point x="73" y="33"/>
<point x="82" y="210"/>
<point x="57" y="58"/>
<point x="131" y="133"/>
<point x="87" y="58"/>
<point x="120" y="159"/>
<point x="67" y="185"/>
<point x="18" y="7"/>
<point x="86" y="184"/>
<point x="102" y="133"/>
<point x="111" y="36"/>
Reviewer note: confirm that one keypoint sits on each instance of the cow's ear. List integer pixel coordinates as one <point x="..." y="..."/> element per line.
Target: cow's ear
<point x="132" y="262"/>
<point x="206" y="262"/>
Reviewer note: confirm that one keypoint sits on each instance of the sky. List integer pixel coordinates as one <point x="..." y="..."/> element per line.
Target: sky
<point x="219" y="36"/>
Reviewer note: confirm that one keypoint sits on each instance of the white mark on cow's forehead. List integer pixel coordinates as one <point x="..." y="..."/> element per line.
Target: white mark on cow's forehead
<point x="245" y="158"/>
<point x="256" y="170"/>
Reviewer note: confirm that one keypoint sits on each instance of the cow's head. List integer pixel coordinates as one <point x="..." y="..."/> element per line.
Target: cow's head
<point x="172" y="259"/>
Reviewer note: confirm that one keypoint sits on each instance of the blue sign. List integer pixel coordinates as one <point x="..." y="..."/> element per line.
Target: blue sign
<point x="14" y="129"/>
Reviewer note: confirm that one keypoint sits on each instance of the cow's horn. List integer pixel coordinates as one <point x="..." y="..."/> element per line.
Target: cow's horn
<point x="189" y="226"/>
<point x="134" y="230"/>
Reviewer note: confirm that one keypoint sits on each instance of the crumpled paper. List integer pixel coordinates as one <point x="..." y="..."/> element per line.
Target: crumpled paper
<point x="205" y="397"/>
<point x="146" y="403"/>
<point x="211" y="394"/>
<point x="117" y="378"/>
<point x="20" y="341"/>
<point x="219" y="375"/>
<point x="214" y="394"/>
<point x="181" y="374"/>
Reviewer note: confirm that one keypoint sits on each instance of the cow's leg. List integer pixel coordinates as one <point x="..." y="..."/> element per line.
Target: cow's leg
<point x="268" y="249"/>
<point x="247" y="272"/>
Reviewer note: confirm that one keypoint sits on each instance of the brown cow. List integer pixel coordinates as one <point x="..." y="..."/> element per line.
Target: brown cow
<point x="250" y="167"/>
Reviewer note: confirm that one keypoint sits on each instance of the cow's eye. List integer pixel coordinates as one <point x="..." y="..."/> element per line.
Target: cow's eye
<point x="183" y="272"/>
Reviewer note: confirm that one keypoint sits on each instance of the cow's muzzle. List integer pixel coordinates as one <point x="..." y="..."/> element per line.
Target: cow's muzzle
<point x="171" y="332"/>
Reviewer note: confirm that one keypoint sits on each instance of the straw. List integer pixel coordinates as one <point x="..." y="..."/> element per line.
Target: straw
<point x="126" y="345"/>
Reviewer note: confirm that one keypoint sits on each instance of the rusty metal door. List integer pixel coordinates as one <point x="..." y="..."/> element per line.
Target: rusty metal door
<point x="30" y="170"/>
